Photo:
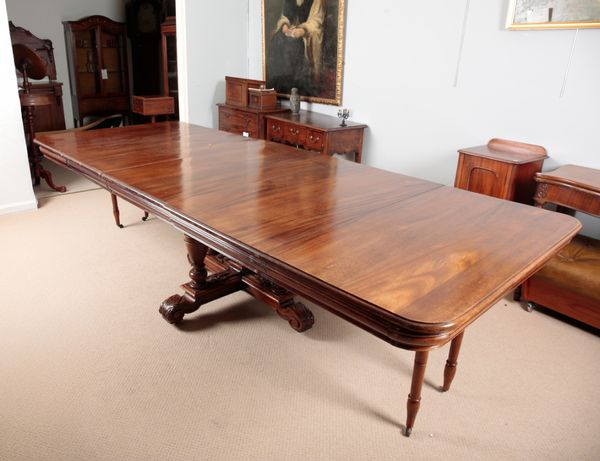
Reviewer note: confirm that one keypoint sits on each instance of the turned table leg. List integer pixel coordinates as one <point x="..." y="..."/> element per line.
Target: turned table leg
<point x="414" y="398"/>
<point x="115" y="207"/>
<point x="450" y="369"/>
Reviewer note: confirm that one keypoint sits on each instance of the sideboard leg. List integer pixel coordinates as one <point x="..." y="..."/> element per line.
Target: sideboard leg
<point x="202" y="288"/>
<point x="414" y="398"/>
<point x="450" y="369"/>
<point x="116" y="214"/>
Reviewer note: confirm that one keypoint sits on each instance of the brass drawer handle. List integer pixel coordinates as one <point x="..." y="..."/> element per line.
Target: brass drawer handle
<point x="294" y="131"/>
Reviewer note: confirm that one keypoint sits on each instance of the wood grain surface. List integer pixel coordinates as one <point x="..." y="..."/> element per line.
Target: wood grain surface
<point x="411" y="261"/>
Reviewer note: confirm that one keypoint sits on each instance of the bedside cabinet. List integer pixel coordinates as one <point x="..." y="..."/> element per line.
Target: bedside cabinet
<point x="502" y="168"/>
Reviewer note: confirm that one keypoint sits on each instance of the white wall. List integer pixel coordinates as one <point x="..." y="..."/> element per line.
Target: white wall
<point x="16" y="193"/>
<point x="217" y="45"/>
<point x="400" y="63"/>
<point x="44" y="19"/>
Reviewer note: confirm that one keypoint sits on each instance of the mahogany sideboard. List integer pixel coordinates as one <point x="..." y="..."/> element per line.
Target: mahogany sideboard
<point x="570" y="282"/>
<point x="289" y="222"/>
<point x="246" y="120"/>
<point x="502" y="169"/>
<point x="316" y="132"/>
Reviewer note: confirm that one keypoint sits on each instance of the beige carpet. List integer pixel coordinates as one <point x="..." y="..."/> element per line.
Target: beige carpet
<point x="90" y="371"/>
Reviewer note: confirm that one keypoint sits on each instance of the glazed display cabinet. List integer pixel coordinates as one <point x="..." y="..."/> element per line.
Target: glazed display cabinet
<point x="97" y="58"/>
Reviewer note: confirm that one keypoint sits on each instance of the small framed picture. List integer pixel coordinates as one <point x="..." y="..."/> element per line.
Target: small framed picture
<point x="553" y="14"/>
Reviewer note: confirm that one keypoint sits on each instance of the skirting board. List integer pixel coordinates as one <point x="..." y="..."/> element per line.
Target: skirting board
<point x="18" y="207"/>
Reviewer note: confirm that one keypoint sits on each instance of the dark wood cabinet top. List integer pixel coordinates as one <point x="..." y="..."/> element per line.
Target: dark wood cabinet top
<point x="578" y="176"/>
<point x="316" y="120"/>
<point x="411" y="261"/>
<point x="508" y="151"/>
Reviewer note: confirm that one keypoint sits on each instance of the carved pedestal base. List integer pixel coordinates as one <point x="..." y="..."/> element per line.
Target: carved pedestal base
<point x="216" y="286"/>
<point x="282" y="301"/>
<point x="279" y="299"/>
<point x="229" y="277"/>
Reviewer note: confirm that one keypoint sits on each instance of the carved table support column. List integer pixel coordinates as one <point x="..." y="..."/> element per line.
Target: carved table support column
<point x="414" y="398"/>
<point x="201" y="289"/>
<point x="450" y="369"/>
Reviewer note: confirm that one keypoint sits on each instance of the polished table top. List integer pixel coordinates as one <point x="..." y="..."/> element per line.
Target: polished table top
<point x="412" y="261"/>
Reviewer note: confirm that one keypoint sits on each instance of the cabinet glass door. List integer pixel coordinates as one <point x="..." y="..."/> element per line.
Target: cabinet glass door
<point x="171" y="65"/>
<point x="112" y="74"/>
<point x="87" y="62"/>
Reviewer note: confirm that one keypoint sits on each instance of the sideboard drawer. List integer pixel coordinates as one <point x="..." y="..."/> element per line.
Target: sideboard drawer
<point x="294" y="134"/>
<point x="238" y="122"/>
<point x="314" y="140"/>
<point x="275" y="130"/>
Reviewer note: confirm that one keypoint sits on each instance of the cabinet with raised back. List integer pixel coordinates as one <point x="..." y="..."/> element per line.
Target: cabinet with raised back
<point x="502" y="169"/>
<point x="97" y="58"/>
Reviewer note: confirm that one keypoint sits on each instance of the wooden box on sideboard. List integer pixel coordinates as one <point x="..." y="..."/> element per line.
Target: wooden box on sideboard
<point x="262" y="99"/>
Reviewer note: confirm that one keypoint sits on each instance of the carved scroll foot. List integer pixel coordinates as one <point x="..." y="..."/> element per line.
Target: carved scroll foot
<point x="414" y="398"/>
<point x="452" y="362"/>
<point x="175" y="307"/>
<point x="281" y="300"/>
<point x="298" y="315"/>
<point x="214" y="287"/>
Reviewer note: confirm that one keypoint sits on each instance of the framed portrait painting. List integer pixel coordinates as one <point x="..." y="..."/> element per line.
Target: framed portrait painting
<point x="553" y="14"/>
<point x="303" y="44"/>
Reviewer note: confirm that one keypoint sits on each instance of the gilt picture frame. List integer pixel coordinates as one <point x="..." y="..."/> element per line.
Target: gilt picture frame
<point x="552" y="14"/>
<point x="303" y="47"/>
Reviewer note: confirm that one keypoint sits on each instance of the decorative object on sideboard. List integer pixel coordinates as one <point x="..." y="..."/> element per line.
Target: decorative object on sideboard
<point x="343" y="114"/>
<point x="295" y="101"/>
<point x="303" y="46"/>
<point x="541" y="14"/>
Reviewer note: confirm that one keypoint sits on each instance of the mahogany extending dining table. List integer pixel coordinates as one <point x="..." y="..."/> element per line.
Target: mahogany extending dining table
<point x="410" y="261"/>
